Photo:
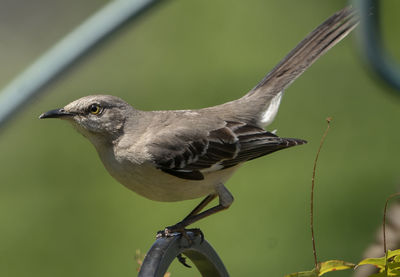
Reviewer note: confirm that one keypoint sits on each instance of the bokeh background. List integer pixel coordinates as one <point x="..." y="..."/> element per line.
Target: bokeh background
<point x="61" y="214"/>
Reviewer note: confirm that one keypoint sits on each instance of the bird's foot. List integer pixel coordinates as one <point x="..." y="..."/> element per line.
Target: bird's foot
<point x="179" y="229"/>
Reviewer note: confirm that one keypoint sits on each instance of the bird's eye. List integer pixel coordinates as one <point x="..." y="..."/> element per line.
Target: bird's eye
<point x="94" y="109"/>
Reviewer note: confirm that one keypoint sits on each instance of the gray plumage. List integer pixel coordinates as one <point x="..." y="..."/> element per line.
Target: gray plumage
<point x="185" y="154"/>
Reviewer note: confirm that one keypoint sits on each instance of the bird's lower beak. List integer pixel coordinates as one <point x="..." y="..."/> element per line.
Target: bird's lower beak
<point x="57" y="113"/>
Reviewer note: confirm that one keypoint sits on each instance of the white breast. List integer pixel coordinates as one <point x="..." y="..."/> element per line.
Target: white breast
<point x="154" y="184"/>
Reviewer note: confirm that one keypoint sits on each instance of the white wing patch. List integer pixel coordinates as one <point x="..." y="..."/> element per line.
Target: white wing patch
<point x="214" y="167"/>
<point x="269" y="114"/>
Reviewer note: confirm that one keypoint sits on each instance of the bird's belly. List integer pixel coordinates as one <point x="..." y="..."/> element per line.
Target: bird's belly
<point x="154" y="184"/>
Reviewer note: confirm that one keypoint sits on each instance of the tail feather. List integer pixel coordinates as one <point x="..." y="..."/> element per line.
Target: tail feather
<point x="260" y="105"/>
<point x="317" y="43"/>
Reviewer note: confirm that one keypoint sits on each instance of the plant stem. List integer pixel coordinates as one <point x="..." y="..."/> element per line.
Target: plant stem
<point x="384" y="219"/>
<point x="312" y="192"/>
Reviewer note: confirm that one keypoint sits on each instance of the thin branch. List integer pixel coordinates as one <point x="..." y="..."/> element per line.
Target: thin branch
<point x="384" y="219"/>
<point x="329" y="119"/>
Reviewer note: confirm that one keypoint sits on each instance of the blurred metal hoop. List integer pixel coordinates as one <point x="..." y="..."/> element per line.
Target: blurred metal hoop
<point x="371" y="42"/>
<point x="67" y="51"/>
<point x="165" y="250"/>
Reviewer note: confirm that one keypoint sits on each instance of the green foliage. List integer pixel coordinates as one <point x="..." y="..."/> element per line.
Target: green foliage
<point x="388" y="265"/>
<point x="324" y="267"/>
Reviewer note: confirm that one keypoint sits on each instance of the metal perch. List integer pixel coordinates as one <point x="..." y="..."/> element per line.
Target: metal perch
<point x="166" y="249"/>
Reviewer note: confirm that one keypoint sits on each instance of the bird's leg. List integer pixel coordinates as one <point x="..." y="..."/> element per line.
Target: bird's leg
<point x="201" y="206"/>
<point x="168" y="232"/>
<point x="225" y="200"/>
<point x="194" y="212"/>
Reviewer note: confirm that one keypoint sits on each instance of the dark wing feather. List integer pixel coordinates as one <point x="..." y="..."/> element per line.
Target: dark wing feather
<point x="256" y="142"/>
<point x="188" y="158"/>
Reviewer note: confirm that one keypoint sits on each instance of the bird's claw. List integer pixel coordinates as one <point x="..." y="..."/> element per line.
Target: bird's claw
<point x="177" y="229"/>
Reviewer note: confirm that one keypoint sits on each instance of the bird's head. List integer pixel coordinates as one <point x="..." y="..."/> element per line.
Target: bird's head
<point x="100" y="118"/>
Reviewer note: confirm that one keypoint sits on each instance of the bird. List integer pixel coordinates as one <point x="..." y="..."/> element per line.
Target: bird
<point x="176" y="155"/>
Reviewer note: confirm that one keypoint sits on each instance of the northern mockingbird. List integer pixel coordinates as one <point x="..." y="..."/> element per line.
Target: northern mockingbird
<point x="186" y="154"/>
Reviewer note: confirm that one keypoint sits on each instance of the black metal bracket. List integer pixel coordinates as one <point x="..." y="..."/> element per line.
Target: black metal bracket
<point x="166" y="249"/>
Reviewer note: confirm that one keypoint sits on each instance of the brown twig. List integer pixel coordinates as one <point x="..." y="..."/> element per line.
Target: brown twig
<point x="329" y="119"/>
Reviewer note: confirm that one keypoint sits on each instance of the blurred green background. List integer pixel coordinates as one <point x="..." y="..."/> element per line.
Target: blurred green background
<point x="61" y="214"/>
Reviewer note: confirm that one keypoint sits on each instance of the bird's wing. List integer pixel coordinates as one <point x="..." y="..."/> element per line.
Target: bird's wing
<point x="189" y="157"/>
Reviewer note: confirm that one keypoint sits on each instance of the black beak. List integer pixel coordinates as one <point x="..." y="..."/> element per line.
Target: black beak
<point x="57" y="113"/>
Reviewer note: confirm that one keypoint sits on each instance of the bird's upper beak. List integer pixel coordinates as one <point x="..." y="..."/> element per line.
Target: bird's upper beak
<point x="57" y="113"/>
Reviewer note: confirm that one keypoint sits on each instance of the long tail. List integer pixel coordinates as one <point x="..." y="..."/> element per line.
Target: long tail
<point x="317" y="43"/>
<point x="263" y="100"/>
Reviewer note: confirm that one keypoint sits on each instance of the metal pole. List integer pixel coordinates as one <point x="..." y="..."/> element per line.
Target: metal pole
<point x="63" y="54"/>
